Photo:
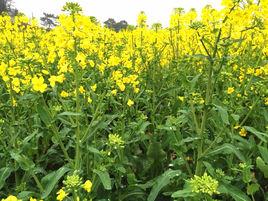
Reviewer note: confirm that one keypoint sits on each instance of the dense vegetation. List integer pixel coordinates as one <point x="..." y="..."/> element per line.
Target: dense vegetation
<point x="179" y="113"/>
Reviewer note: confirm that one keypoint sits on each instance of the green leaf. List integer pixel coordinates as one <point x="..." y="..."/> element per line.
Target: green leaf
<point x="93" y="150"/>
<point x="142" y="127"/>
<point x="235" y="117"/>
<point x="234" y="192"/>
<point x="105" y="178"/>
<point x="209" y="168"/>
<point x="44" y="114"/>
<point x="224" y="114"/>
<point x="96" y="125"/>
<point x="161" y="182"/>
<point x="24" y="162"/>
<point x="183" y="193"/>
<point x="155" y="151"/>
<point x="194" y="81"/>
<point x="226" y="149"/>
<point x="24" y="195"/>
<point x="264" y="153"/>
<point x="253" y="188"/>
<point x="260" y="135"/>
<point x="70" y="114"/>
<point x="4" y="174"/>
<point x="262" y="166"/>
<point x="132" y="193"/>
<point x="50" y="181"/>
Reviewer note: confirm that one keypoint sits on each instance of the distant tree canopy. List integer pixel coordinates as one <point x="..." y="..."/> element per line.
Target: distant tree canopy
<point x="116" y="26"/>
<point x="6" y="6"/>
<point x="49" y="20"/>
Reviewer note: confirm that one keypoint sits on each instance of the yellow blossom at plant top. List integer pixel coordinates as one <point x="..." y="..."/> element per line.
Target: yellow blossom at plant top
<point x="93" y="87"/>
<point x="61" y="194"/>
<point x="266" y="101"/>
<point x="11" y="198"/>
<point x="116" y="141"/>
<point x="230" y="90"/>
<point x="243" y="132"/>
<point x="204" y="184"/>
<point x="81" y="89"/>
<point x="114" y="92"/>
<point x="87" y="186"/>
<point x="64" y="94"/>
<point x="89" y="100"/>
<point x="130" y="102"/>
<point x="38" y="84"/>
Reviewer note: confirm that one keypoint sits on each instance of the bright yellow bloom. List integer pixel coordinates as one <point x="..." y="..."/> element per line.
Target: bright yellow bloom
<point x="33" y="199"/>
<point x="142" y="18"/>
<point x="38" y="84"/>
<point x="64" y="94"/>
<point x="266" y="101"/>
<point x="136" y="90"/>
<point x="121" y="85"/>
<point x="11" y="198"/>
<point x="89" y="100"/>
<point x="114" y="92"/>
<point x="91" y="63"/>
<point x="243" y="132"/>
<point x="181" y="98"/>
<point x="87" y="186"/>
<point x="81" y="59"/>
<point x="130" y="102"/>
<point x="230" y="90"/>
<point x="61" y="194"/>
<point x="94" y="87"/>
<point x="81" y="89"/>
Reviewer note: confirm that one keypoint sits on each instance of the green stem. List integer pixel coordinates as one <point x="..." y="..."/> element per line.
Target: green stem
<point x="39" y="185"/>
<point x="77" y="131"/>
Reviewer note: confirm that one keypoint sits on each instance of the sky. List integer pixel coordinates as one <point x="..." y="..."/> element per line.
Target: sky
<point x="156" y="10"/>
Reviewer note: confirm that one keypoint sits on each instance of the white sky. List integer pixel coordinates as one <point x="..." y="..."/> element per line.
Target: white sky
<point x="156" y="10"/>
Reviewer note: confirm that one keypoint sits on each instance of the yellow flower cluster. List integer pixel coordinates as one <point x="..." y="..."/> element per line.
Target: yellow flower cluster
<point x="40" y="61"/>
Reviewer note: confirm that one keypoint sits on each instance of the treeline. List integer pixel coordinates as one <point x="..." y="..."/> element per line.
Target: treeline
<point x="49" y="20"/>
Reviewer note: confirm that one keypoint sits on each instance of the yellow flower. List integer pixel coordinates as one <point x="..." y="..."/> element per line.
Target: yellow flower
<point x="130" y="102"/>
<point x="61" y="194"/>
<point x="114" y="92"/>
<point x="81" y="59"/>
<point x="53" y="79"/>
<point x="38" y="84"/>
<point x="89" y="100"/>
<point x="64" y="94"/>
<point x="230" y="90"/>
<point x="91" y="63"/>
<point x="81" y="89"/>
<point x="87" y="186"/>
<point x="136" y="90"/>
<point x="181" y="98"/>
<point x="266" y="101"/>
<point x="11" y="198"/>
<point x="33" y="199"/>
<point x="142" y="18"/>
<point x="121" y="85"/>
<point x="94" y="87"/>
<point x="243" y="132"/>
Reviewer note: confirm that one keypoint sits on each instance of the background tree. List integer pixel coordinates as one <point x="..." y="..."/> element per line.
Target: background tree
<point x="116" y="26"/>
<point x="49" y="20"/>
<point x="120" y="25"/>
<point x="6" y="6"/>
<point x="110" y="23"/>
